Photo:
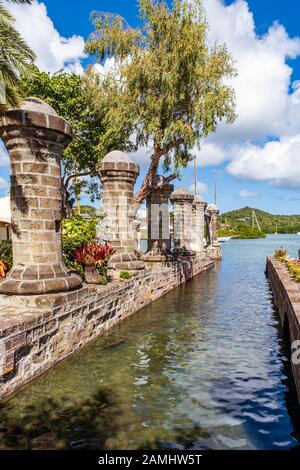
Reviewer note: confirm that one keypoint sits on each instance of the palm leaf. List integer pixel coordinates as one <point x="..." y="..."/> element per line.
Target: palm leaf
<point x="16" y="56"/>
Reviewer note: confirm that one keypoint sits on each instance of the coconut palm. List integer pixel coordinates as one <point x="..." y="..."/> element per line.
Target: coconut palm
<point x="15" y="58"/>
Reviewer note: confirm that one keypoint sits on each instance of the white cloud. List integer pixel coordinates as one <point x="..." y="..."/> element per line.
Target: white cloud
<point x="201" y="188"/>
<point x="276" y="161"/>
<point x="4" y="158"/>
<point x="262" y="84"/>
<point x="3" y="183"/>
<point x="54" y="52"/>
<point x="210" y="154"/>
<point x="265" y="105"/>
<point x="244" y="193"/>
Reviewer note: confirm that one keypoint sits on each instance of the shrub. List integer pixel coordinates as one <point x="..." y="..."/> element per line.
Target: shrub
<point x="6" y="255"/>
<point x="280" y="253"/>
<point x="75" y="232"/>
<point x="125" y="275"/>
<point x="293" y="267"/>
<point x="93" y="253"/>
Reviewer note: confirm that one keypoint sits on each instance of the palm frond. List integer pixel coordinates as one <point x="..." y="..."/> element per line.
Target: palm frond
<point x="16" y="56"/>
<point x="20" y="1"/>
<point x="5" y="17"/>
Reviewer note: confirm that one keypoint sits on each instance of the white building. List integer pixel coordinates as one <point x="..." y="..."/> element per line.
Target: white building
<point x="5" y="218"/>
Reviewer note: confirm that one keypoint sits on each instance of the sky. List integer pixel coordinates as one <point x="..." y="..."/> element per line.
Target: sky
<point x="255" y="161"/>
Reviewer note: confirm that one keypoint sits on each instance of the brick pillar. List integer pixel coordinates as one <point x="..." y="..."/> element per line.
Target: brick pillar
<point x="182" y="201"/>
<point x="35" y="137"/>
<point x="199" y="206"/>
<point x="214" y="249"/>
<point x="118" y="175"/>
<point x="159" y="242"/>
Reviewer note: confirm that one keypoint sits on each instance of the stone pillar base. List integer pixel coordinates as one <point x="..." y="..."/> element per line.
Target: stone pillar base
<point x="12" y="286"/>
<point x="214" y="252"/>
<point x="42" y="279"/>
<point x="126" y="262"/>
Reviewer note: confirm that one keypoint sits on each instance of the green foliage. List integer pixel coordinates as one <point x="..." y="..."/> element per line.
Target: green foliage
<point x="88" y="211"/>
<point x="268" y="222"/>
<point x="125" y="275"/>
<point x="15" y="58"/>
<point x="169" y="87"/>
<point x="6" y="254"/>
<point x="66" y="93"/>
<point x="240" y="231"/>
<point x="293" y="267"/>
<point x="280" y="253"/>
<point x="103" y="281"/>
<point x="71" y="98"/>
<point x="75" y="232"/>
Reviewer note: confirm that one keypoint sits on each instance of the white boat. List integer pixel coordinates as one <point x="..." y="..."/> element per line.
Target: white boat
<point x="298" y="233"/>
<point x="224" y="239"/>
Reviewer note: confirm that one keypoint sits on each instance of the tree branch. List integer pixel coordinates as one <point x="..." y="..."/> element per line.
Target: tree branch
<point x="150" y="181"/>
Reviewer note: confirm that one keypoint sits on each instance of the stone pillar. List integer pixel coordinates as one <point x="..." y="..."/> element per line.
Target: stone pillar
<point x="199" y="206"/>
<point x="182" y="201"/>
<point x="214" y="248"/>
<point x="35" y="137"/>
<point x="159" y="241"/>
<point x="118" y="175"/>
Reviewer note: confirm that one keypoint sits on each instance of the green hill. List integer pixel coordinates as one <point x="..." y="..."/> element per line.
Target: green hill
<point x="241" y="221"/>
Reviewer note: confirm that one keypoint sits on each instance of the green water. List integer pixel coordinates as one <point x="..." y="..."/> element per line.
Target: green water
<point x="204" y="367"/>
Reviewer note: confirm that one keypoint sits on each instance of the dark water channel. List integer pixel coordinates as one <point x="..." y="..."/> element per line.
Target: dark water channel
<point x="204" y="367"/>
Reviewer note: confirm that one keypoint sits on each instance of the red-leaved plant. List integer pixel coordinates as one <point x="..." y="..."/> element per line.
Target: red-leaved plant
<point x="93" y="253"/>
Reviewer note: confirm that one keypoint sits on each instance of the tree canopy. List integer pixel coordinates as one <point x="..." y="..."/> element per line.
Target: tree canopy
<point x="68" y="95"/>
<point x="171" y="88"/>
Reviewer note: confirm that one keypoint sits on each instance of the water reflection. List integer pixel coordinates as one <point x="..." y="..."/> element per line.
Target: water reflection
<point x="203" y="367"/>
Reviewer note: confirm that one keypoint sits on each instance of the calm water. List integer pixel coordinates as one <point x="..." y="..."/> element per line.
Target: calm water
<point x="202" y="368"/>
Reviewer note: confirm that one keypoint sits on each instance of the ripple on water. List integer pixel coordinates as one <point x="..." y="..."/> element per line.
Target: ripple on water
<point x="201" y="368"/>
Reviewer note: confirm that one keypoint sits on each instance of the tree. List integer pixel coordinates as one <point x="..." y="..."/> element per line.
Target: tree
<point x="15" y="58"/>
<point x="70" y="98"/>
<point x="173" y="88"/>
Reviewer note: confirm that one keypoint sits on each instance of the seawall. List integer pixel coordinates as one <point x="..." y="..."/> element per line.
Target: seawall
<point x="36" y="332"/>
<point x="286" y="293"/>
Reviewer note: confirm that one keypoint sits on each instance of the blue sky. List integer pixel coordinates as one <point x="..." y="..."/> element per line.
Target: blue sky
<point x="255" y="162"/>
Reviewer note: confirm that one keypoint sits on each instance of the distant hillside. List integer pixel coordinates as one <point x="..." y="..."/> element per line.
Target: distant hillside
<point x="268" y="223"/>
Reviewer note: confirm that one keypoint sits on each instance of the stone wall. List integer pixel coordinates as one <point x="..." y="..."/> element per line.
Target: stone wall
<point x="287" y="299"/>
<point x="36" y="332"/>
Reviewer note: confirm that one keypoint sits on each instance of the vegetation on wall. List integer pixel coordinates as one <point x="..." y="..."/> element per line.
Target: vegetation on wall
<point x="76" y="231"/>
<point x="292" y="265"/>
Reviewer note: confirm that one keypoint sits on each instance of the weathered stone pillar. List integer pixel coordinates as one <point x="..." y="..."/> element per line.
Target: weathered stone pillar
<point x="182" y="201"/>
<point x="118" y="175"/>
<point x="199" y="206"/>
<point x="214" y="248"/>
<point x="159" y="241"/>
<point x="35" y="137"/>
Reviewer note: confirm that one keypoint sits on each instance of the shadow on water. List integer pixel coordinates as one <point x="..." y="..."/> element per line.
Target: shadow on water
<point x="93" y="424"/>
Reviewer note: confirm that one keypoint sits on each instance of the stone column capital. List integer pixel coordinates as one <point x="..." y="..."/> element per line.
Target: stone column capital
<point x="181" y="195"/>
<point x="199" y="202"/>
<point x="37" y="116"/>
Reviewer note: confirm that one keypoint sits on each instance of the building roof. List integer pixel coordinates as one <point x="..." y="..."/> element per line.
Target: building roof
<point x="5" y="212"/>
